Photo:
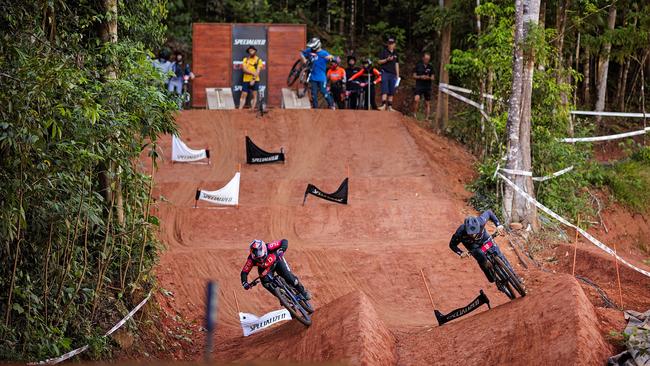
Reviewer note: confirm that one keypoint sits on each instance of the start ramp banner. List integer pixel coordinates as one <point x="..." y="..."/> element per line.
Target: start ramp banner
<point x="252" y="324"/>
<point x="228" y="195"/>
<point x="182" y="153"/>
<point x="255" y="155"/>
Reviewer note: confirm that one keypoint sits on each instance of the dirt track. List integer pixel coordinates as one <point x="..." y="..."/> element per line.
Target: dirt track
<point x="362" y="261"/>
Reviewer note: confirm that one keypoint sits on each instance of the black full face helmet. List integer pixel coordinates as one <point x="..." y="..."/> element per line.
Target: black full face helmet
<point x="473" y="227"/>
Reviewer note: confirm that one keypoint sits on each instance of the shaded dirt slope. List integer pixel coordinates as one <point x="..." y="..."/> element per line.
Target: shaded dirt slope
<point x="406" y="198"/>
<point x="347" y="330"/>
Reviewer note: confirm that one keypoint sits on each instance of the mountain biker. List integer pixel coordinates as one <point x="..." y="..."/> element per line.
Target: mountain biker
<point x="362" y="77"/>
<point x="268" y="257"/>
<point x="352" y="88"/>
<point x="336" y="78"/>
<point x="473" y="235"/>
<point x="389" y="61"/>
<point x="318" y="78"/>
<point x="251" y="66"/>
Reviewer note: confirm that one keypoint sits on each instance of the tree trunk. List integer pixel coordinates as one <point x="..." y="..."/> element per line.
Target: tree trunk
<point x="603" y="65"/>
<point x="561" y="28"/>
<point x="586" y="92"/>
<point x="109" y="35"/>
<point x="442" y="110"/>
<point x="515" y="207"/>
<point x="353" y="18"/>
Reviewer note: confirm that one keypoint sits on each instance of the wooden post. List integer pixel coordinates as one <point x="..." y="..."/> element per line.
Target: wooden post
<point x="575" y="249"/>
<point x="427" y="287"/>
<point x="618" y="276"/>
<point x="236" y="302"/>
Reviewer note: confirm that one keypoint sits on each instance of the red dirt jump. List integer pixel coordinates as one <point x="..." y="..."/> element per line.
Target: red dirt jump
<point x="361" y="261"/>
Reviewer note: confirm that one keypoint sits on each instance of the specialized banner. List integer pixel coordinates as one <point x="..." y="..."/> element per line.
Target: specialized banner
<point x="255" y="155"/>
<point x="244" y="36"/>
<point x="251" y="324"/>
<point x="566" y="222"/>
<point x="182" y="153"/>
<point x="228" y="195"/>
<point x="340" y="196"/>
<point x="478" y="301"/>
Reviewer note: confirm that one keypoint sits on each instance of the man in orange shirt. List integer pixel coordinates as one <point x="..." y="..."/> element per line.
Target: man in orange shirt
<point x="336" y="78"/>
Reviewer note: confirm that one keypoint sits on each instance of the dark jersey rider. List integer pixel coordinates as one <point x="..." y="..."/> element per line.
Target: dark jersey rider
<point x="269" y="257"/>
<point x="473" y="235"/>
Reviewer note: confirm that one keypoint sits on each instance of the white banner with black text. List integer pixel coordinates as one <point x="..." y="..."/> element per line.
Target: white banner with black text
<point x="228" y="195"/>
<point x="251" y="323"/>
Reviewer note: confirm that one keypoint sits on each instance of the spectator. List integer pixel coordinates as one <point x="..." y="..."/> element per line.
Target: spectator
<point x="318" y="78"/>
<point x="352" y="88"/>
<point x="163" y="65"/>
<point x="251" y="66"/>
<point x="423" y="75"/>
<point x="367" y="77"/>
<point x="181" y="72"/>
<point x="389" y="62"/>
<point x="336" y="77"/>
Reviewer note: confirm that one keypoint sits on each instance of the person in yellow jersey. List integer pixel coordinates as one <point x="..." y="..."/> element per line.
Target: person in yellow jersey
<point x="251" y="66"/>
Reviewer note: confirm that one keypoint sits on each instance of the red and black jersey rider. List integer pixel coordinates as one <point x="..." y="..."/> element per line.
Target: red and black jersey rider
<point x="268" y="257"/>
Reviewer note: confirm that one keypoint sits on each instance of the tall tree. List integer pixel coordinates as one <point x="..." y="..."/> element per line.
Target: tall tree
<point x="516" y="208"/>
<point x="603" y="62"/>
<point x="442" y="110"/>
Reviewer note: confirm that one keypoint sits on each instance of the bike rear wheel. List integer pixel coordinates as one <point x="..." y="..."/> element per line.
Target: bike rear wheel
<point x="296" y="310"/>
<point x="512" y="278"/>
<point x="296" y="69"/>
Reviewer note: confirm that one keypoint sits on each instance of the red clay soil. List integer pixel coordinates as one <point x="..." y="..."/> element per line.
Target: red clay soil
<point x="347" y="330"/>
<point x="407" y="196"/>
<point x="555" y="324"/>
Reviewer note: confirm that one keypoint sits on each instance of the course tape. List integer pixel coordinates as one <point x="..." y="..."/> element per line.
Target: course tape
<point x="585" y="234"/>
<point x="536" y="179"/>
<point x="464" y="90"/>
<point x="605" y="138"/>
<point x="466" y="100"/>
<point x="611" y="114"/>
<point x="54" y="361"/>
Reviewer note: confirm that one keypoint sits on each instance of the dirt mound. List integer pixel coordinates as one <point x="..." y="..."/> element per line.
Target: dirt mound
<point x="555" y="324"/>
<point x="347" y="330"/>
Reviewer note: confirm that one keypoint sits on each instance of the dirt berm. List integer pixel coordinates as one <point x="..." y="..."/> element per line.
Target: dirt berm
<point x="555" y="324"/>
<point x="347" y="330"/>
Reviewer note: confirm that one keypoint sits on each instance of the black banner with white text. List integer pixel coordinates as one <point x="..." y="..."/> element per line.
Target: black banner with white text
<point x="339" y="196"/>
<point x="457" y="313"/>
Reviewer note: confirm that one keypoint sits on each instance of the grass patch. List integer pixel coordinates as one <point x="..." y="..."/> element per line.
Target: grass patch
<point x="629" y="182"/>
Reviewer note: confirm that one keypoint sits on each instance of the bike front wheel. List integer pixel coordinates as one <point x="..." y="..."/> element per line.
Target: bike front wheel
<point x="296" y="69"/>
<point x="511" y="277"/>
<point x="296" y="310"/>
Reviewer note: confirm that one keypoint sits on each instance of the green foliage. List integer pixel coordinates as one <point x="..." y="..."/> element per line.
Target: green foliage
<point x="629" y="180"/>
<point x="491" y="59"/>
<point x="68" y="134"/>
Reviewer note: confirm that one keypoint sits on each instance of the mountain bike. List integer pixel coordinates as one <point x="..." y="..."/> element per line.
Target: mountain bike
<point x="505" y="279"/>
<point x="301" y="72"/>
<point x="289" y="297"/>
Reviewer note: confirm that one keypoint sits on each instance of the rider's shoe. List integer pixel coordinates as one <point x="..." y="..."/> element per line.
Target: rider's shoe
<point x="390" y="109"/>
<point x="382" y="107"/>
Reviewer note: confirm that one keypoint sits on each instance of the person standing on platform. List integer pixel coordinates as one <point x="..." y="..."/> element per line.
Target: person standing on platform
<point x="389" y="65"/>
<point x="252" y="65"/>
<point x="423" y="75"/>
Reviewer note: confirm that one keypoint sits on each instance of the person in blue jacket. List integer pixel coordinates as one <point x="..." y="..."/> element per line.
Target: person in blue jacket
<point x="318" y="78"/>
